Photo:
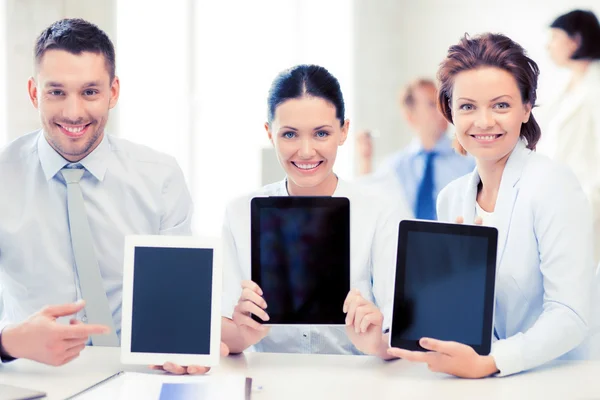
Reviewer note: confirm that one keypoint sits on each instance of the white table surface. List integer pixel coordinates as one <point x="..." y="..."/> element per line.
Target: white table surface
<point x="297" y="376"/>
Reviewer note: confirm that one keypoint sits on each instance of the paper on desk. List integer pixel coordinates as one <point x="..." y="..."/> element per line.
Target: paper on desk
<point x="132" y="385"/>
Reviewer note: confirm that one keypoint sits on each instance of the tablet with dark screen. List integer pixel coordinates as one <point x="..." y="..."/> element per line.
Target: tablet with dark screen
<point x="171" y="298"/>
<point x="444" y="286"/>
<point x="301" y="257"/>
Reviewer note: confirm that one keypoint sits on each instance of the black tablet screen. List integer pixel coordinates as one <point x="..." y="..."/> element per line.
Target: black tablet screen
<point x="300" y="259"/>
<point x="172" y="295"/>
<point x="443" y="288"/>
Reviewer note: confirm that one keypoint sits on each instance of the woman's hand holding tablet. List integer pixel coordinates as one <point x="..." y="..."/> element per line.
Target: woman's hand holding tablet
<point x="364" y="325"/>
<point x="251" y="302"/>
<point x="449" y="357"/>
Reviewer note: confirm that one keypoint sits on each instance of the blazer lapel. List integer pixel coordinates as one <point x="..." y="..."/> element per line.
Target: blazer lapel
<point x="507" y="194"/>
<point x="468" y="211"/>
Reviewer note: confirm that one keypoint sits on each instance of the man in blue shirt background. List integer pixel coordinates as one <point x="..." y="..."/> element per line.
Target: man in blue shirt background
<point x="418" y="172"/>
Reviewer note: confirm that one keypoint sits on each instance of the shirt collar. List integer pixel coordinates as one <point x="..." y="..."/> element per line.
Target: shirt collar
<point x="52" y="162"/>
<point x="443" y="146"/>
<point x="340" y="190"/>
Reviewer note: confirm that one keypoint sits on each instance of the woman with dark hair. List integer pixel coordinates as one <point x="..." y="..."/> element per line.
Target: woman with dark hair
<point x="545" y="271"/>
<point x="306" y="124"/>
<point x="571" y="121"/>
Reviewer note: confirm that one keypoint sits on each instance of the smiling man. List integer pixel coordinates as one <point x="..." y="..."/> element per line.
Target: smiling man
<point x="73" y="94"/>
<point x="71" y="195"/>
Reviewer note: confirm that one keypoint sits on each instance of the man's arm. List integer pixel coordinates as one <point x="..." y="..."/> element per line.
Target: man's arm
<point x="179" y="208"/>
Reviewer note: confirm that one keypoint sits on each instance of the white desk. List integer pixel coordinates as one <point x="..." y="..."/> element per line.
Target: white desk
<point x="286" y="376"/>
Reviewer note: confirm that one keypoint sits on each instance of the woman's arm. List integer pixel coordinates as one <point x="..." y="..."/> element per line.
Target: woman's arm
<point x="563" y="228"/>
<point x="241" y="298"/>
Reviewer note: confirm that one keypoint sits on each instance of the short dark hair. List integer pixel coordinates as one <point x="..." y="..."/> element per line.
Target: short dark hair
<point x="491" y="50"/>
<point x="585" y="25"/>
<point x="305" y="80"/>
<point x="76" y="35"/>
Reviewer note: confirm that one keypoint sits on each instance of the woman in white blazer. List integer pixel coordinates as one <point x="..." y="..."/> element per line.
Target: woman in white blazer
<point x="306" y="125"/>
<point x="545" y="271"/>
<point x="571" y="122"/>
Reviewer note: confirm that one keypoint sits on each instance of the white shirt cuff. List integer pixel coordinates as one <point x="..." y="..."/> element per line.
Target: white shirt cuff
<point x="508" y="357"/>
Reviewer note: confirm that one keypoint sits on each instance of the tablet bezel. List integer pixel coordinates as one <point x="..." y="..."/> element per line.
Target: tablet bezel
<point x="489" y="233"/>
<point x="291" y="202"/>
<point x="131" y="243"/>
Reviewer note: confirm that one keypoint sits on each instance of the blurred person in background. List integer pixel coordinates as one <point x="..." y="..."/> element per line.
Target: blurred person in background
<point x="572" y="121"/>
<point x="418" y="172"/>
<point x="364" y="152"/>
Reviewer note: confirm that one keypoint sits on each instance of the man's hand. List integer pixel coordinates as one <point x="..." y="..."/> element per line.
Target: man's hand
<point x="191" y="369"/>
<point x="40" y="338"/>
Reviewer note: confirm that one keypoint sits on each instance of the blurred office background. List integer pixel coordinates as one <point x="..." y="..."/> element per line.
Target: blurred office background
<point x="195" y="73"/>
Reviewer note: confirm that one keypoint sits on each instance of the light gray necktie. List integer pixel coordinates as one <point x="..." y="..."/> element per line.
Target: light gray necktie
<point x="90" y="280"/>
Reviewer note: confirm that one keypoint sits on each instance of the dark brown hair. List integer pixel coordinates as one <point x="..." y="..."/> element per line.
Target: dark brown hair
<point x="305" y="80"/>
<point x="490" y="50"/>
<point x="76" y="36"/>
<point x="583" y="25"/>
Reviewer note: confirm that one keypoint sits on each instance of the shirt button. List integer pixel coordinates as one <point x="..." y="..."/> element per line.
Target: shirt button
<point x="304" y="334"/>
<point x="84" y="318"/>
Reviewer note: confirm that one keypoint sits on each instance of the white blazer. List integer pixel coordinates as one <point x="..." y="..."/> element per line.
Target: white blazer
<point x="545" y="275"/>
<point x="571" y="135"/>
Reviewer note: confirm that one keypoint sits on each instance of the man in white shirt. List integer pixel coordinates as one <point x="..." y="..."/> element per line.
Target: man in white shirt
<point x="126" y="188"/>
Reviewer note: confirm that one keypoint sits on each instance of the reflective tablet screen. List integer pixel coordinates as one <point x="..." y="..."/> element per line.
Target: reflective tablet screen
<point x="442" y="291"/>
<point x="172" y="289"/>
<point x="304" y="267"/>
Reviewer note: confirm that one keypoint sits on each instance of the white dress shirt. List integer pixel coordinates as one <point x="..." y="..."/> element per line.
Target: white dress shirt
<point x="373" y="244"/>
<point x="487" y="218"/>
<point x="127" y="189"/>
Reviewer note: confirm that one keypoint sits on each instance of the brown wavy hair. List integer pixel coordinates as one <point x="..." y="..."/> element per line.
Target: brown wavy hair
<point x="490" y="50"/>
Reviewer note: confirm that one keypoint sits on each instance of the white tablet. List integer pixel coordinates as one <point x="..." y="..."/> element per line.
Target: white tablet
<point x="171" y="300"/>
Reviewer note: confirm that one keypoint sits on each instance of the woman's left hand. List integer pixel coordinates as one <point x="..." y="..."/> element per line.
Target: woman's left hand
<point x="449" y="357"/>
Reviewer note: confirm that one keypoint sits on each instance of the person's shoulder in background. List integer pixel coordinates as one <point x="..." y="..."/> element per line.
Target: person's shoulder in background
<point x="383" y="191"/>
